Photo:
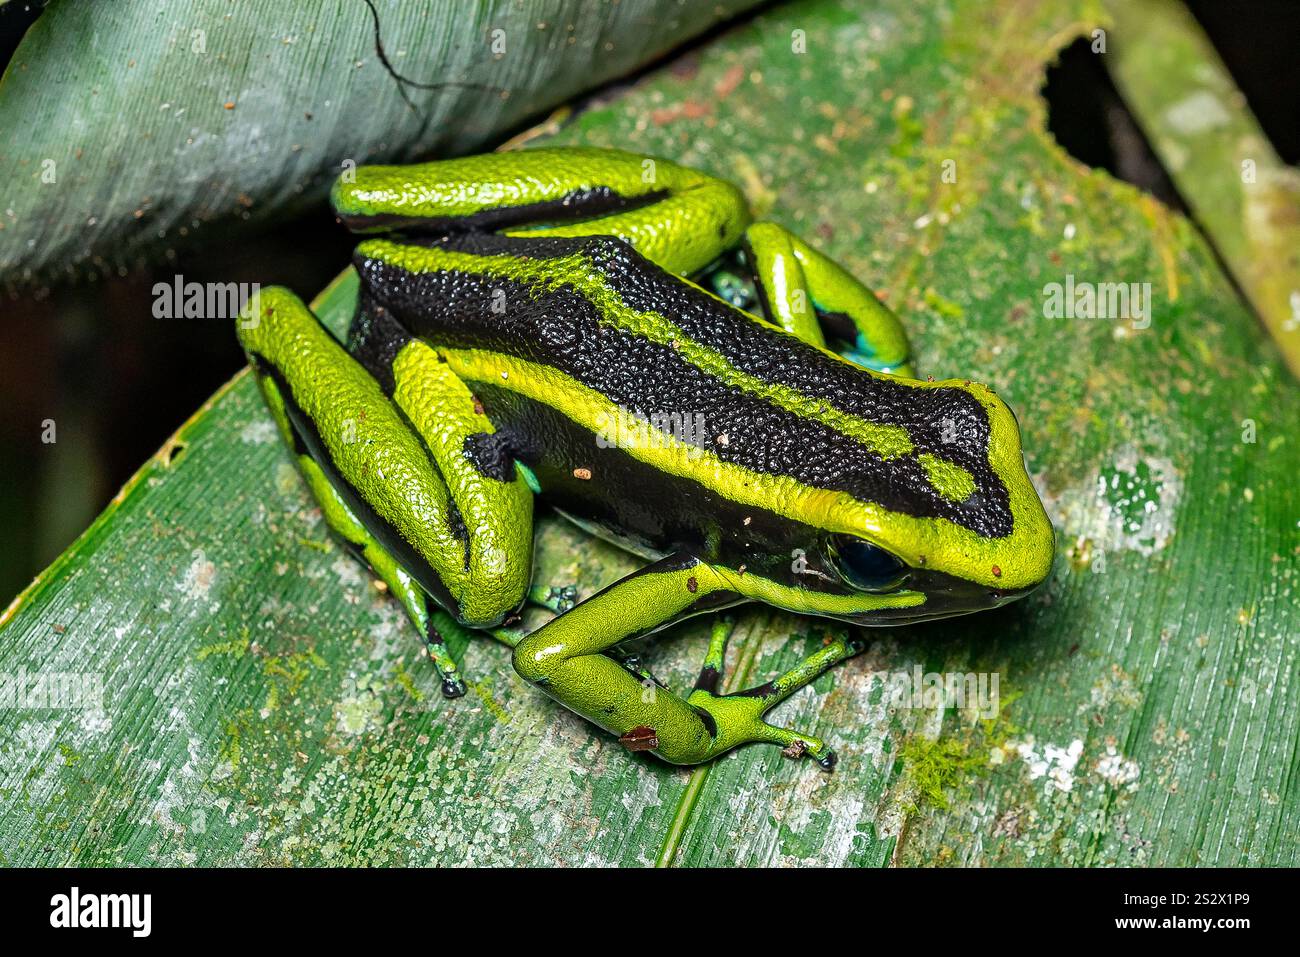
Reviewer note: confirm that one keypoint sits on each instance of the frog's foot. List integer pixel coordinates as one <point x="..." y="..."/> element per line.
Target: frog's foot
<point x="634" y="664"/>
<point x="433" y="624"/>
<point x="453" y="685"/>
<point x="739" y="717"/>
<point x="554" y="598"/>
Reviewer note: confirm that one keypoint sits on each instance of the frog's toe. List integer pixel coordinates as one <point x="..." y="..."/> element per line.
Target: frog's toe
<point x="796" y="745"/>
<point x="453" y="687"/>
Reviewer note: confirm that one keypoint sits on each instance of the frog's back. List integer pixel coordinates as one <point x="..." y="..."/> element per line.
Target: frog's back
<point x="644" y="403"/>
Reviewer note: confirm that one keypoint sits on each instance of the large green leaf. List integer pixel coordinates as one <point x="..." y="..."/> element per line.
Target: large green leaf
<point x="132" y="126"/>
<point x="264" y="704"/>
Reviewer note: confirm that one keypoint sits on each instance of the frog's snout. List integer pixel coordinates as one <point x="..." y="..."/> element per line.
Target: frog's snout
<point x="1003" y="596"/>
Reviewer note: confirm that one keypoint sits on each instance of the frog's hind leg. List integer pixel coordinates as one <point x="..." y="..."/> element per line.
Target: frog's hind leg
<point x="388" y="457"/>
<point x="693" y="218"/>
<point x="810" y="295"/>
<point x="340" y="518"/>
<point x="677" y="217"/>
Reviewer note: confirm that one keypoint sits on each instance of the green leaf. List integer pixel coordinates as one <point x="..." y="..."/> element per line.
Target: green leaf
<point x="264" y="704"/>
<point x="131" y="126"/>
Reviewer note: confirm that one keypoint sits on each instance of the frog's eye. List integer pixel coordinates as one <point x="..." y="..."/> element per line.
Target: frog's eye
<point x="865" y="566"/>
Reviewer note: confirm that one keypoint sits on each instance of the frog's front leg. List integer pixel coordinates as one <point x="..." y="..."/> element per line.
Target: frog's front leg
<point x="410" y="473"/>
<point x="805" y="292"/>
<point x="566" y="659"/>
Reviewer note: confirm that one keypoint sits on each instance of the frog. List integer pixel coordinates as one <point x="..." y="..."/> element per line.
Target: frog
<point x="614" y="336"/>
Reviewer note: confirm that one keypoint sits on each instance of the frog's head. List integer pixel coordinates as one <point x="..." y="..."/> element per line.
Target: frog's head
<point x="939" y="519"/>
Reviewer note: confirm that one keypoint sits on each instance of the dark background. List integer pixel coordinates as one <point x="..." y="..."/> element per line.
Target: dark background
<point x="118" y="381"/>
